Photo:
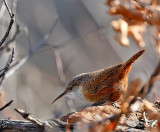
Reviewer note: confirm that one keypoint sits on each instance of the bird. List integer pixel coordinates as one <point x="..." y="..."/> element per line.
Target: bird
<point x="108" y="84"/>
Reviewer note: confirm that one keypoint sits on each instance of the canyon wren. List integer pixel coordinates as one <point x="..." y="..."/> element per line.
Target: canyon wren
<point x="107" y="84"/>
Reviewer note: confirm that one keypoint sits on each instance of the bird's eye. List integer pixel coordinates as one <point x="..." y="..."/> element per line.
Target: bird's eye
<point x="70" y="88"/>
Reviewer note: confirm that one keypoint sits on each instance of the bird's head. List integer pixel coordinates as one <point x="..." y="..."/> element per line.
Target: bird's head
<point x="73" y="85"/>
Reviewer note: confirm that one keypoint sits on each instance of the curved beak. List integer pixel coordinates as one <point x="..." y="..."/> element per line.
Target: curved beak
<point x="59" y="96"/>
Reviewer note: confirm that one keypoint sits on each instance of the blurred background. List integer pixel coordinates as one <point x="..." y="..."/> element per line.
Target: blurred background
<point x="81" y="40"/>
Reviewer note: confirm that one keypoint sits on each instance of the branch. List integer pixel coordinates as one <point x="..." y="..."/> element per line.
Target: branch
<point x="10" y="24"/>
<point x="4" y="70"/>
<point x="30" y="118"/>
<point x="26" y="126"/>
<point x="12" y="39"/>
<point x="59" y="67"/>
<point x="32" y="51"/>
<point x="20" y="126"/>
<point x="62" y="78"/>
<point x="8" y="9"/>
<point x="50" y="125"/>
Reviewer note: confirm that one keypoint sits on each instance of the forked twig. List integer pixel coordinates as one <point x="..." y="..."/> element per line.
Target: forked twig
<point x="5" y="70"/>
<point x="32" y="51"/>
<point x="30" y="118"/>
<point x="51" y="124"/>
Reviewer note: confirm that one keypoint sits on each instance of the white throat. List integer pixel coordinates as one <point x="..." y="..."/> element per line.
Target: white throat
<point x="77" y="94"/>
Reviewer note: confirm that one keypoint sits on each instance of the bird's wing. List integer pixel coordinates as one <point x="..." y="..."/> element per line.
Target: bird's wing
<point x="105" y="79"/>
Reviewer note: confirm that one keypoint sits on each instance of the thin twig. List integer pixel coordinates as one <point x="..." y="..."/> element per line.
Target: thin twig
<point x="6" y="105"/>
<point x="30" y="118"/>
<point x="32" y="51"/>
<point x="8" y="9"/>
<point x="2" y="70"/>
<point x="28" y="37"/>
<point x="8" y="31"/>
<point x="149" y="84"/>
<point x="10" y="24"/>
<point x="51" y="124"/>
<point x="45" y="38"/>
<point x="12" y="39"/>
<point x="60" y="67"/>
<point x="62" y="77"/>
<point x="5" y="70"/>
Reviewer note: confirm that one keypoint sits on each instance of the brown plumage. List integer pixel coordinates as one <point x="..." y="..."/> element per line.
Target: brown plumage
<point x="105" y="84"/>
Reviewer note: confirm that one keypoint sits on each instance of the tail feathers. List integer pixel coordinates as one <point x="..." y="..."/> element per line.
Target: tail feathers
<point x="134" y="58"/>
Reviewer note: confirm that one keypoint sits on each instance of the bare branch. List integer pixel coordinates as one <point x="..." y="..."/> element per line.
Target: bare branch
<point x="30" y="118"/>
<point x="6" y="105"/>
<point x="26" y="126"/>
<point x="5" y="70"/>
<point x="12" y="39"/>
<point x="10" y="24"/>
<point x="60" y="67"/>
<point x="45" y="38"/>
<point x="28" y="37"/>
<point x="49" y="125"/>
<point x="7" y="33"/>
<point x="8" y="9"/>
<point x="62" y="78"/>
<point x="31" y="52"/>
<point x="18" y="126"/>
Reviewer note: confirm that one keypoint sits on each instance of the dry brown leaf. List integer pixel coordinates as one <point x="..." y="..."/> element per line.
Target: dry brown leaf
<point x="127" y="10"/>
<point x="121" y="26"/>
<point x="135" y="15"/>
<point x="94" y="113"/>
<point x="157" y="42"/>
<point x="107" y="117"/>
<point x="136" y="32"/>
<point x="125" y="29"/>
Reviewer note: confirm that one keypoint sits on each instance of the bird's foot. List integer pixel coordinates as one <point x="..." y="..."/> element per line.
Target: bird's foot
<point x="97" y="104"/>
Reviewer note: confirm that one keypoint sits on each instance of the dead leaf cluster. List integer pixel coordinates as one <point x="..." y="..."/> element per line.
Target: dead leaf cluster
<point x="135" y="16"/>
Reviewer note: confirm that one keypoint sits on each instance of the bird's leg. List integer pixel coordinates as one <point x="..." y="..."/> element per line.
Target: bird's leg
<point x="100" y="103"/>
